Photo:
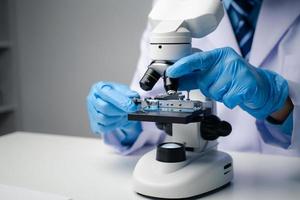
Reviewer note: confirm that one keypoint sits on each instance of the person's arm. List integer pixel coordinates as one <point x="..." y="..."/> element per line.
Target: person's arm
<point x="224" y="76"/>
<point x="278" y="117"/>
<point x="281" y="127"/>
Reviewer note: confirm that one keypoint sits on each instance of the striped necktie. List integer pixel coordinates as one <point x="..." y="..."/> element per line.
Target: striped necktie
<point x="243" y="16"/>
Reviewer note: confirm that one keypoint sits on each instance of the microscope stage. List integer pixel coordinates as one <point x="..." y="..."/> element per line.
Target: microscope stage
<point x="167" y="117"/>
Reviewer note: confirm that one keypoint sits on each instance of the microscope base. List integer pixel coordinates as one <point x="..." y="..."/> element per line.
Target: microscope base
<point x="199" y="174"/>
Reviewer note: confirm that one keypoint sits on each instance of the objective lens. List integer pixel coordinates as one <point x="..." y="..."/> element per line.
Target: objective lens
<point x="149" y="79"/>
<point x="170" y="84"/>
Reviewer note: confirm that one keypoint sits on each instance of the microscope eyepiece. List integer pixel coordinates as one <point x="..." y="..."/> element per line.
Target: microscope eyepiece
<point x="149" y="79"/>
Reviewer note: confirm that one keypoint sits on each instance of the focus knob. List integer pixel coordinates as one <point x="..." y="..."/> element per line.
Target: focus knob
<point x="170" y="152"/>
<point x="212" y="128"/>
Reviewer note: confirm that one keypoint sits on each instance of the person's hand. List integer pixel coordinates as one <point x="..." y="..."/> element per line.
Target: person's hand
<point x="108" y="105"/>
<point x="224" y="76"/>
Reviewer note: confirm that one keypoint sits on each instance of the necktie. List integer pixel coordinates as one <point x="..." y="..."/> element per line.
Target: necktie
<point x="243" y="15"/>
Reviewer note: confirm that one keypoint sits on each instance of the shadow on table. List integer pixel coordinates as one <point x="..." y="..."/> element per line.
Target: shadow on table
<point x="228" y="185"/>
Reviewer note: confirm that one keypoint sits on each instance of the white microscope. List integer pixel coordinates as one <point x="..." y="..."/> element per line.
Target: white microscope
<point x="188" y="163"/>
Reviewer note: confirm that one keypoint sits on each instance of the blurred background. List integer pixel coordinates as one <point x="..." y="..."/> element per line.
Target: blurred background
<point x="52" y="51"/>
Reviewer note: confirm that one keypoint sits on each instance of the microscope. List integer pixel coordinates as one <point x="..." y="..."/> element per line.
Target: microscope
<point x="188" y="163"/>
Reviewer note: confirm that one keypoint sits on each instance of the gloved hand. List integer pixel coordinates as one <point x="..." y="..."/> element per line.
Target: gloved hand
<point x="108" y="105"/>
<point x="224" y="76"/>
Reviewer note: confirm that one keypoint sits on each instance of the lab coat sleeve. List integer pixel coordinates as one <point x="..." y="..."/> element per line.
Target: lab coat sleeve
<point x="276" y="134"/>
<point x="150" y="134"/>
<point x="294" y="89"/>
<point x="288" y="66"/>
<point x="287" y="135"/>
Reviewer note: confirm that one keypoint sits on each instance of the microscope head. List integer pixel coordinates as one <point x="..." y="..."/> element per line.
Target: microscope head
<point x="200" y="17"/>
<point x="174" y="23"/>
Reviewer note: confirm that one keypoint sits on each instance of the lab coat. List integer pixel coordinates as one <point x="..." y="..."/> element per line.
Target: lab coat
<point x="276" y="46"/>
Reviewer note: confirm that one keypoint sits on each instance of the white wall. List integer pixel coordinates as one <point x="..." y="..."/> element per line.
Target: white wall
<point x="66" y="45"/>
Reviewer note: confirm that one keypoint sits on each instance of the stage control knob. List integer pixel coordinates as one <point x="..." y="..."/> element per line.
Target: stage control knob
<point x="170" y="152"/>
<point x="212" y="128"/>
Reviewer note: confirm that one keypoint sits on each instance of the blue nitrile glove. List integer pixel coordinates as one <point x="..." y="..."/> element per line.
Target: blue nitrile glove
<point x="224" y="76"/>
<point x="108" y="105"/>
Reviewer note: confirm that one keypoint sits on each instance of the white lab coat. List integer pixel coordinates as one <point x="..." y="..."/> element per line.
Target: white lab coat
<point x="276" y="46"/>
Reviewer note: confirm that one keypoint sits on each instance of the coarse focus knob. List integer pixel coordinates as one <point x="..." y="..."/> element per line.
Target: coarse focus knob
<point x="212" y="128"/>
<point x="170" y="152"/>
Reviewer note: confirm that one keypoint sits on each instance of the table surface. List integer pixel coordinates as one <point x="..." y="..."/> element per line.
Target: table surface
<point x="84" y="169"/>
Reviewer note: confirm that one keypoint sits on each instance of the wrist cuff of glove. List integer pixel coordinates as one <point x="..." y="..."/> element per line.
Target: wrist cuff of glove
<point x="277" y="94"/>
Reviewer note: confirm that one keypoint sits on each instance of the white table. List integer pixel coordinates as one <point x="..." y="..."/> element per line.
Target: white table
<point x="84" y="169"/>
